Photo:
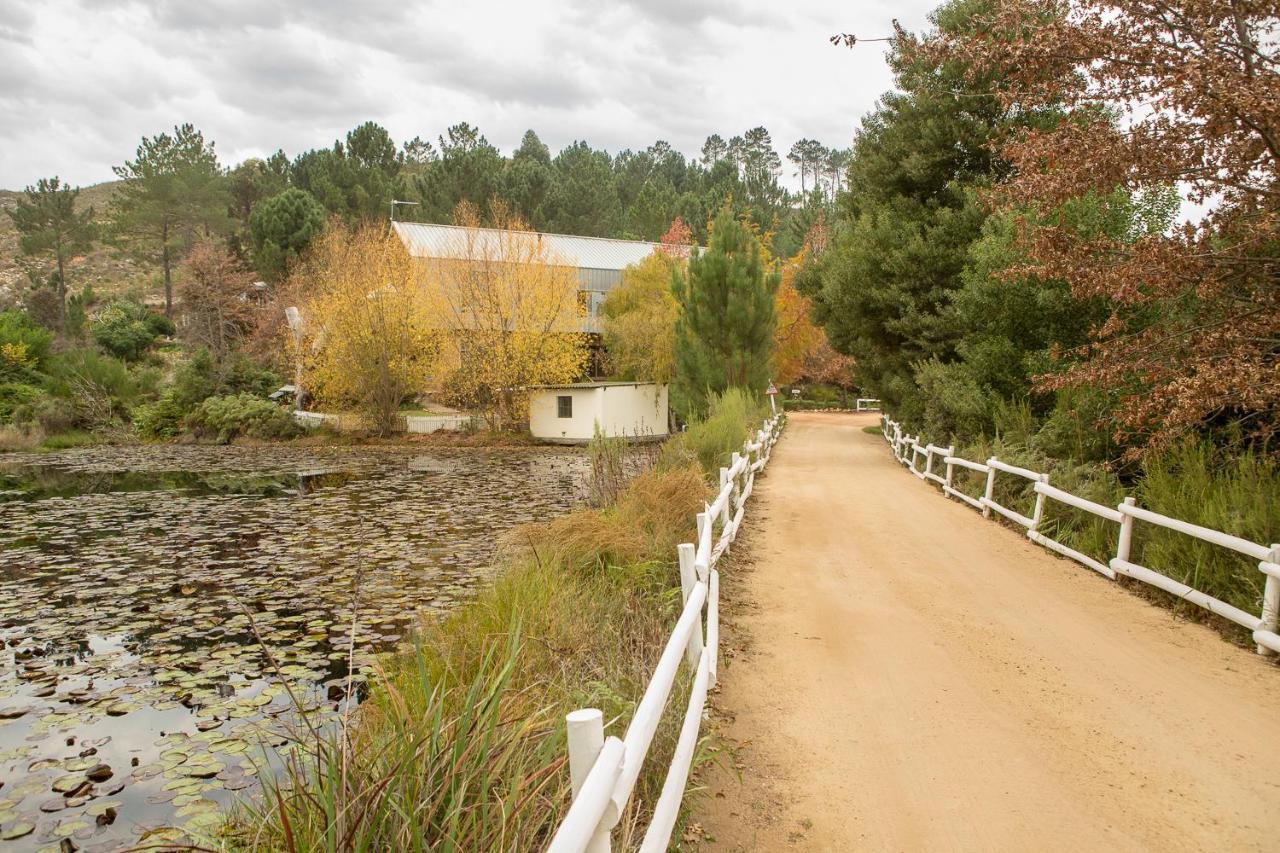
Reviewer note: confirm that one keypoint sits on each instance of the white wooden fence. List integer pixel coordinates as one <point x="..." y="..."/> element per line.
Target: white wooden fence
<point x="604" y="770"/>
<point x="909" y="451"/>
<point x="867" y="404"/>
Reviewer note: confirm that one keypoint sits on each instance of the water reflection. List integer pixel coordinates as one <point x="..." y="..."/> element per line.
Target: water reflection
<point x="148" y="597"/>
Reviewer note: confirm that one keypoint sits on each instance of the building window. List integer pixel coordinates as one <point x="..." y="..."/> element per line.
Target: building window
<point x="564" y="406"/>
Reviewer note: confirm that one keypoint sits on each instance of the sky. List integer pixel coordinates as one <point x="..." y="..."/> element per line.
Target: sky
<point x="82" y="81"/>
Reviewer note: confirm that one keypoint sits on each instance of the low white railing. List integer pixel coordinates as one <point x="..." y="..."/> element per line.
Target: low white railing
<point x="908" y="451"/>
<point x="603" y="771"/>
<point x="867" y="404"/>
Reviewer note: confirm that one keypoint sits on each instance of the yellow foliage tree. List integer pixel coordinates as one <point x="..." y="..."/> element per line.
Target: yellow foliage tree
<point x="510" y="311"/>
<point x="796" y="337"/>
<point x="639" y="320"/>
<point x="369" y="340"/>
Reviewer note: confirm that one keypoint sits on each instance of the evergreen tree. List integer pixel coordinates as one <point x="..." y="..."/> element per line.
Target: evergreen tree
<point x="910" y="212"/>
<point x="172" y="190"/>
<point x="724" y="335"/>
<point x="281" y="227"/>
<point x="48" y="224"/>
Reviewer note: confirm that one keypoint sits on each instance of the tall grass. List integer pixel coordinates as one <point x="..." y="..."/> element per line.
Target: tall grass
<point x="731" y="417"/>
<point x="1232" y="492"/>
<point x="461" y="745"/>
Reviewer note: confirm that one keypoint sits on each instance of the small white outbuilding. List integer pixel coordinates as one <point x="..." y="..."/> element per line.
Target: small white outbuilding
<point x="568" y="414"/>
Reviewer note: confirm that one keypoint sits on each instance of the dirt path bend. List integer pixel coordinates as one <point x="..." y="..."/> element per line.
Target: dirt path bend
<point x="902" y="675"/>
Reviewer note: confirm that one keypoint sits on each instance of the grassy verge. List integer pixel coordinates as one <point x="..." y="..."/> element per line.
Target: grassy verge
<point x="1194" y="482"/>
<point x="461" y="745"/>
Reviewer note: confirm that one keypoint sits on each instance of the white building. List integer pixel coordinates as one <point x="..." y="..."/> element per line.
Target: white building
<point x="569" y="414"/>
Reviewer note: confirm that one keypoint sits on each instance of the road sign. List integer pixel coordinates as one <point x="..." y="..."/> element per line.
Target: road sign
<point x="773" y="390"/>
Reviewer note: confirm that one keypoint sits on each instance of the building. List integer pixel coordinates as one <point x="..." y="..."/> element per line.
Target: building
<point x="598" y="261"/>
<point x="569" y="414"/>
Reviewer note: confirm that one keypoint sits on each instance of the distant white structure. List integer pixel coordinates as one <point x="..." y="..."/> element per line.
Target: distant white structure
<point x="568" y="414"/>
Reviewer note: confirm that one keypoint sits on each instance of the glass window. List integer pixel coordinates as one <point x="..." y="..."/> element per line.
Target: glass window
<point x="564" y="406"/>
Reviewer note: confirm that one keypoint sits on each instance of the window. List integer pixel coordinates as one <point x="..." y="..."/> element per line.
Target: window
<point x="564" y="406"/>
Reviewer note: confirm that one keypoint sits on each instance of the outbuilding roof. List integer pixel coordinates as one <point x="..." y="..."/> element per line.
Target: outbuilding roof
<point x="424" y="240"/>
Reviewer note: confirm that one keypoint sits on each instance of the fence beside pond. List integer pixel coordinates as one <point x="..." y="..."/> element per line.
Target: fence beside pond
<point x="604" y="770"/>
<point x="910" y="452"/>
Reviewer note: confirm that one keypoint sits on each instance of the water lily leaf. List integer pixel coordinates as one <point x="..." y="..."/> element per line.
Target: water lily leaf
<point x="17" y="830"/>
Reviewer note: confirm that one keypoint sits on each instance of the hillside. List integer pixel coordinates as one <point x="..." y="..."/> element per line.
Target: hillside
<point x="107" y="270"/>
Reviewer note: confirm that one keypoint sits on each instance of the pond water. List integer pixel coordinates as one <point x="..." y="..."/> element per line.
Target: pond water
<point x="150" y="596"/>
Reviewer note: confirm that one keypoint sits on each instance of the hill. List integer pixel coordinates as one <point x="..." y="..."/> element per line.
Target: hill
<point x="110" y="272"/>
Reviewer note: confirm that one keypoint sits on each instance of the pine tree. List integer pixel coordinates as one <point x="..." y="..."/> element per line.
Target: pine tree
<point x="48" y="224"/>
<point x="724" y="335"/>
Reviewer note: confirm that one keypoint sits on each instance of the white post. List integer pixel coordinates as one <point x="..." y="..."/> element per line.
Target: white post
<point x="1270" y="601"/>
<point x="951" y="467"/>
<point x="773" y="407"/>
<point x="688" y="578"/>
<point x="713" y="626"/>
<point x="584" y="730"/>
<point x="990" y="493"/>
<point x="1039" y="511"/>
<point x="1125" y="543"/>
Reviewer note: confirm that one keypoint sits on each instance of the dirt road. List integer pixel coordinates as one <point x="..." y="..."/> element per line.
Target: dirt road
<point x="903" y="675"/>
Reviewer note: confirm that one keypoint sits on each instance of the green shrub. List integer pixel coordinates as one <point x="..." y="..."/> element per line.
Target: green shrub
<point x="51" y="414"/>
<point x="128" y="329"/>
<point x="228" y="417"/>
<point x="733" y="416"/>
<point x="24" y="346"/>
<point x="14" y="398"/>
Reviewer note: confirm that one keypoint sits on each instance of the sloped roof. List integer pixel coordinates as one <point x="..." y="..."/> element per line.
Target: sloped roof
<point x="448" y="241"/>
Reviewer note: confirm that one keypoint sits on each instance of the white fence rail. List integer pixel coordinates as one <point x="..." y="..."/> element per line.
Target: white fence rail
<point x="604" y="771"/>
<point x="908" y="451"/>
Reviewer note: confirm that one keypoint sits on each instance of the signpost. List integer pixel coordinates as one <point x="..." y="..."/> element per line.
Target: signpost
<point x="772" y="392"/>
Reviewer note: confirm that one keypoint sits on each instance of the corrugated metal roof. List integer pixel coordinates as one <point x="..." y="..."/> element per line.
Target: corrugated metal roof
<point x="449" y="241"/>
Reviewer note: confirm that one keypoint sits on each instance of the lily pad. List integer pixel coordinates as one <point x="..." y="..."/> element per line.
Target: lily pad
<point x="17" y="830"/>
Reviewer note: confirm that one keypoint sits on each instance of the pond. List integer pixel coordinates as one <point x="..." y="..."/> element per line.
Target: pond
<point x="149" y="596"/>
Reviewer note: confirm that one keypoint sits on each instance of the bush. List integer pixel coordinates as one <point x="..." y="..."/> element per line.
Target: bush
<point x="228" y="417"/>
<point x="732" y="417"/>
<point x="51" y="414"/>
<point x="128" y="329"/>
<point x="102" y="389"/>
<point x="196" y="381"/>
<point x="24" y="346"/>
<point x="14" y="398"/>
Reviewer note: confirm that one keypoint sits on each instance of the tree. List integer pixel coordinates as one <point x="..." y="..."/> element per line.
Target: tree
<point x="639" y="317"/>
<point x="280" y="229"/>
<point x="911" y="211"/>
<point x="1192" y="339"/>
<point x="369" y="340"/>
<point x="172" y="189"/>
<point x="254" y="180"/>
<point x="584" y="199"/>
<point x="795" y="335"/>
<point x="725" y="332"/>
<point x="355" y="179"/>
<point x="214" y="302"/>
<point x="48" y="224"/>
<point x="469" y="169"/>
<point x="512" y="314"/>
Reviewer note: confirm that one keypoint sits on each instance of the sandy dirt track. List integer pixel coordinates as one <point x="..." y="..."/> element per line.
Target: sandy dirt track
<point x="902" y="675"/>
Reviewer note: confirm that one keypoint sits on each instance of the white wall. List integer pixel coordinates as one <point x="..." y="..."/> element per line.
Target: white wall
<point x="544" y="422"/>
<point x="634" y="410"/>
<point x="630" y="410"/>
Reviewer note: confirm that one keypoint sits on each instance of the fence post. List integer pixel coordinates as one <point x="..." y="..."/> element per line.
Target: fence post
<point x="688" y="578"/>
<point x="1039" y="510"/>
<point x="951" y="467"/>
<point x="584" y="731"/>
<point x="928" y="461"/>
<point x="990" y="493"/>
<point x="1270" y="601"/>
<point x="1125" y="542"/>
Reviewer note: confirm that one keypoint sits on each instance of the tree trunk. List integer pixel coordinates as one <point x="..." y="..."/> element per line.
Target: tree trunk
<point x="168" y="278"/>
<point x="62" y="293"/>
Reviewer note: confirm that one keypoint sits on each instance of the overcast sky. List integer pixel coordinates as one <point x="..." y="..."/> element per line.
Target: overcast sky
<point x="82" y="82"/>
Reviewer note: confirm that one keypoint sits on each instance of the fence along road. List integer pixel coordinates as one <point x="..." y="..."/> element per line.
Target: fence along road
<point x="917" y="678"/>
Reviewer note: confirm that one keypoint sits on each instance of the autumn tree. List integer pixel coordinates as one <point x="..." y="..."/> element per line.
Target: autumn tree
<point x="49" y="225"/>
<point x="369" y="339"/>
<point x="1193" y="337"/>
<point x="510" y="311"/>
<point x="724" y="335"/>
<point x="639" y="317"/>
<point x="214" y="299"/>
<point x="171" y="191"/>
<point x="795" y="335"/>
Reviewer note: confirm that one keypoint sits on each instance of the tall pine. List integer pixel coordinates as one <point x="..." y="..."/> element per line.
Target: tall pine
<point x="725" y="331"/>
